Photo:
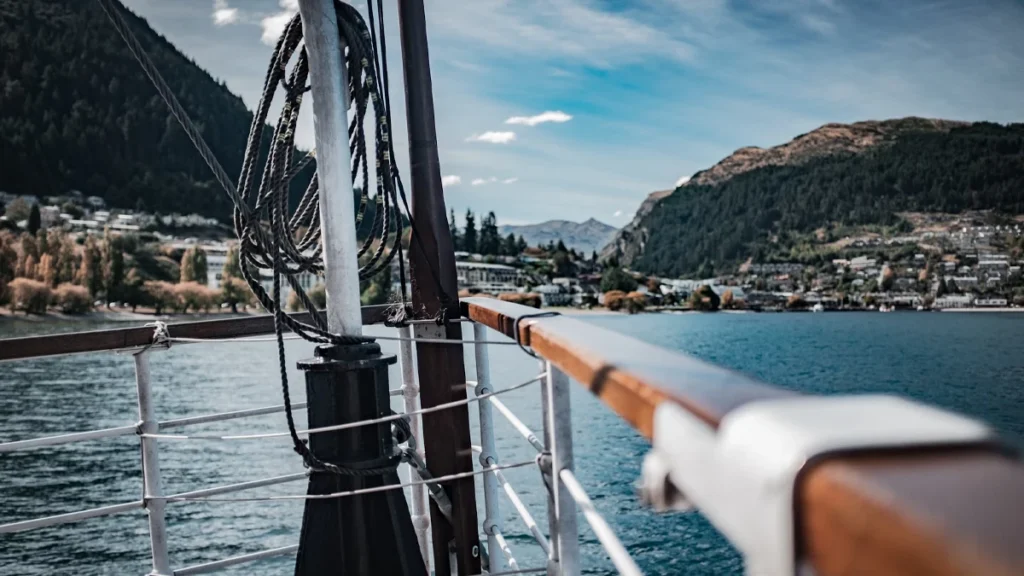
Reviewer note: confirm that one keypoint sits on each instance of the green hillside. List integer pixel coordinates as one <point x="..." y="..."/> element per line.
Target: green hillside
<point x="699" y="229"/>
<point x="77" y="112"/>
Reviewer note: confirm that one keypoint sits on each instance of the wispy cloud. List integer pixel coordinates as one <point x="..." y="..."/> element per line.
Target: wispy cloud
<point x="452" y="180"/>
<point x="273" y="25"/>
<point x="617" y="214"/>
<point x="224" y="14"/>
<point x="550" y="116"/>
<point x="493" y="137"/>
<point x="510" y="180"/>
<point x="682" y="180"/>
<point x="482" y="181"/>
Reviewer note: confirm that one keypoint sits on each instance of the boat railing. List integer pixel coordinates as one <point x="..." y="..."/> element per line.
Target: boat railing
<point x="921" y="509"/>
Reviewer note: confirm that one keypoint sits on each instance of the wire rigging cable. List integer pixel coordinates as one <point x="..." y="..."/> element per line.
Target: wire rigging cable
<point x="269" y="236"/>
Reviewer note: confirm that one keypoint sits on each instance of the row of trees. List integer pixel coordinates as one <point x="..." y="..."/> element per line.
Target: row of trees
<point x="40" y="270"/>
<point x="487" y="241"/>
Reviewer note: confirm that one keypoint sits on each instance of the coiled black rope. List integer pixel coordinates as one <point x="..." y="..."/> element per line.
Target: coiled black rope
<point x="266" y="232"/>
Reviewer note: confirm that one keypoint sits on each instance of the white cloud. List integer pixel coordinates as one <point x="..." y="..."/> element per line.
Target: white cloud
<point x="449" y="181"/>
<point x="682" y="180"/>
<point x="482" y="181"/>
<point x="617" y="213"/>
<point x="224" y="14"/>
<point x="549" y="116"/>
<point x="493" y="137"/>
<point x="273" y="25"/>
<point x="510" y="180"/>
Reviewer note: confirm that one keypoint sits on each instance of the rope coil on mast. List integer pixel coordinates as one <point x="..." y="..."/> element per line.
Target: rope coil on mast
<point x="266" y="232"/>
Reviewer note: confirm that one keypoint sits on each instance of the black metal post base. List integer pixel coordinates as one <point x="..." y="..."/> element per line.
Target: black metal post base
<point x="365" y="535"/>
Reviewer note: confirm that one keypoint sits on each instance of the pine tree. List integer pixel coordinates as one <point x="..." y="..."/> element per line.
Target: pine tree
<point x="490" y="241"/>
<point x="35" y="220"/>
<point x="113" y="269"/>
<point x="521" y="245"/>
<point x="510" y="248"/>
<point x="453" y="229"/>
<point x="469" y="242"/>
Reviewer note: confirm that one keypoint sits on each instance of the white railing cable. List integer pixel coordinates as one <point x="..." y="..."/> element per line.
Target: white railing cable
<point x="612" y="545"/>
<point x="69" y="438"/>
<point x="488" y="452"/>
<point x="502" y="544"/>
<point x="70" y="517"/>
<point x="177" y="340"/>
<point x="516" y="423"/>
<point x="217" y="565"/>
<point x="228" y="488"/>
<point x="514" y="572"/>
<point x="370" y="490"/>
<point x="410" y="392"/>
<point x="220" y="417"/>
<point x="391" y="418"/>
<point x="518" y="504"/>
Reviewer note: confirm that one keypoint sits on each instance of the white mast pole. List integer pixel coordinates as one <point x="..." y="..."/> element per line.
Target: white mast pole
<point x="330" y="121"/>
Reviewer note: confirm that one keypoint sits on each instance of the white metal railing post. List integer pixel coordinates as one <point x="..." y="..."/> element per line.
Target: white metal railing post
<point x="152" y="490"/>
<point x="546" y="462"/>
<point x="411" y="397"/>
<point x="560" y="427"/>
<point x="488" y="452"/>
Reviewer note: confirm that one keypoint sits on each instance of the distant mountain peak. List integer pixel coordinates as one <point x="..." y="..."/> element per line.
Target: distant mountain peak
<point x="587" y="236"/>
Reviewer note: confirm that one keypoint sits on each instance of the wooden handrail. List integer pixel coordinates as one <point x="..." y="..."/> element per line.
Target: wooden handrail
<point x="137" y="336"/>
<point x="922" y="512"/>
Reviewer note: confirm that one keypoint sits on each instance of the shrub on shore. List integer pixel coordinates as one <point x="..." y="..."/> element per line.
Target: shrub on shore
<point x="30" y="296"/>
<point x="72" y="299"/>
<point x="194" y="296"/>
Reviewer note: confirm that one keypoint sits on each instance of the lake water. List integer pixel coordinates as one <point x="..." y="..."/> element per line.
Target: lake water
<point x="971" y="363"/>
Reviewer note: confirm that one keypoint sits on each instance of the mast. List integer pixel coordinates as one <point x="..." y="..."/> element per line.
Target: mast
<point x="367" y="534"/>
<point x="441" y="368"/>
<point x="327" y="77"/>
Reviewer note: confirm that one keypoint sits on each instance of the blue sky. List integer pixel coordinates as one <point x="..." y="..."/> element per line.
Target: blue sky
<point x="641" y="93"/>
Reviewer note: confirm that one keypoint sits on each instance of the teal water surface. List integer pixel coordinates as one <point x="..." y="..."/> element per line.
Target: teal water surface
<point x="971" y="363"/>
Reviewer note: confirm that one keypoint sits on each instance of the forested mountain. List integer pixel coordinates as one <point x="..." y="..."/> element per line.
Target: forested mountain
<point x="77" y="112"/>
<point x="750" y="208"/>
<point x="585" y="237"/>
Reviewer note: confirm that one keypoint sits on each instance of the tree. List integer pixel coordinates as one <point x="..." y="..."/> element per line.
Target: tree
<point x="160" y="294"/>
<point x="563" y="266"/>
<point x="28" y="295"/>
<point x="113" y="269"/>
<point x="453" y="229"/>
<point x="379" y="289"/>
<point x="232" y="268"/>
<point x="193" y="265"/>
<point x="615" y="278"/>
<point x="35" y="220"/>
<point x="593" y="256"/>
<point x="727" y="300"/>
<point x="8" y="264"/>
<point x="47" y="271"/>
<point x="509" y="246"/>
<point x="888" y="277"/>
<point x="490" y="241"/>
<point x="234" y="291"/>
<point x="72" y="299"/>
<point x="521" y="245"/>
<point x="469" y="240"/>
<point x="132" y="293"/>
<point x="18" y="210"/>
<point x="940" y="288"/>
<point x="705" y="299"/>
<point x="90" y="272"/>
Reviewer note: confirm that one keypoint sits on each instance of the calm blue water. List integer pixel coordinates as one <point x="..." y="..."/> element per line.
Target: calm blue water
<point x="967" y="362"/>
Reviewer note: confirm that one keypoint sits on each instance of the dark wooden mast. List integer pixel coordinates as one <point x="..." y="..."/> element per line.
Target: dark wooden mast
<point x="441" y="368"/>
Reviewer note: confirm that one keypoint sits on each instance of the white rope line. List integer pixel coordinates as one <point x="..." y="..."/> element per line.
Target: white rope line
<point x="371" y="490"/>
<point x="514" y="572"/>
<point x="182" y="340"/>
<point x="347" y="426"/>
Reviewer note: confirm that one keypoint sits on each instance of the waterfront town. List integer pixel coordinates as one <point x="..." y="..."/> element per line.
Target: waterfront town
<point x="72" y="253"/>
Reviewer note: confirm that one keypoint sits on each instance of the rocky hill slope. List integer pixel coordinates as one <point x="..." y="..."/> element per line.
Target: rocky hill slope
<point x="855" y="174"/>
